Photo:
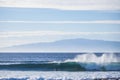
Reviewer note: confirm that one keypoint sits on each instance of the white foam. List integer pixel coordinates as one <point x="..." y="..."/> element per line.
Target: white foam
<point x="57" y="75"/>
<point x="91" y="57"/>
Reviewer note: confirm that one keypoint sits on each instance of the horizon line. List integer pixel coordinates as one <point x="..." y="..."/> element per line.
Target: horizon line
<point x="65" y="22"/>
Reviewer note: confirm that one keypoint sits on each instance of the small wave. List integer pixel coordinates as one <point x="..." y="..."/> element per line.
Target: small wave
<point x="58" y="79"/>
<point x="58" y="75"/>
<point x="16" y="79"/>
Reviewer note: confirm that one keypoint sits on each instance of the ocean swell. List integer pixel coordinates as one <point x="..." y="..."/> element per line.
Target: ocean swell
<point x="63" y="66"/>
<point x="84" y="62"/>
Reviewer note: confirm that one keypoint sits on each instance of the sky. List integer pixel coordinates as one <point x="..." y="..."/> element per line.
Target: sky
<point x="33" y="21"/>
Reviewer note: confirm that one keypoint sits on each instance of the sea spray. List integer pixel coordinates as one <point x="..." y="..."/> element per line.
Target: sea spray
<point x="90" y="61"/>
<point x="93" y="58"/>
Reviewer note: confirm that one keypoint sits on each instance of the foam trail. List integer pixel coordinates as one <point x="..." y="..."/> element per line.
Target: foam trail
<point x="91" y="57"/>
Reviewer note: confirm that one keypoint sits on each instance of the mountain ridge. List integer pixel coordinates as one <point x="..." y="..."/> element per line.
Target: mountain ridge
<point x="70" y="45"/>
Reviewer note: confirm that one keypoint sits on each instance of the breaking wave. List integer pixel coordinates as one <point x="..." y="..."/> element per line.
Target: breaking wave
<point x="91" y="57"/>
<point x="84" y="62"/>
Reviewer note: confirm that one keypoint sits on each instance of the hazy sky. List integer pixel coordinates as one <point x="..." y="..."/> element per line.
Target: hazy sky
<point x="31" y="21"/>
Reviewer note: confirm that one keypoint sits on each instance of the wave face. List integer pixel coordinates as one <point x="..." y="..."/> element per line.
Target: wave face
<point x="65" y="66"/>
<point x="43" y="66"/>
<point x="61" y="66"/>
<point x="82" y="62"/>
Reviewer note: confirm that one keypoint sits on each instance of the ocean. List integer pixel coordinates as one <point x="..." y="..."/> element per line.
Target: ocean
<point x="59" y="66"/>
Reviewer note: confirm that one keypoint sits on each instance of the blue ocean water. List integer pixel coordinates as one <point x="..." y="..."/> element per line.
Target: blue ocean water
<point x="59" y="66"/>
<point x="37" y="56"/>
<point x="60" y="61"/>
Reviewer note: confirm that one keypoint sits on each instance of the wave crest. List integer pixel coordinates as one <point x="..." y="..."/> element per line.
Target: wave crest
<point x="91" y="57"/>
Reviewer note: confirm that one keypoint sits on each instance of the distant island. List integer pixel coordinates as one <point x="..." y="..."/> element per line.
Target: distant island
<point x="68" y="45"/>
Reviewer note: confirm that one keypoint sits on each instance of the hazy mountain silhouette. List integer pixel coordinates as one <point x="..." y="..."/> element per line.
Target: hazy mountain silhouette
<point x="74" y="45"/>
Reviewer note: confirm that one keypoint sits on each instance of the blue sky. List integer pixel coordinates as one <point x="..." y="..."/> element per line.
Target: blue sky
<point x="23" y="22"/>
<point x="39" y="14"/>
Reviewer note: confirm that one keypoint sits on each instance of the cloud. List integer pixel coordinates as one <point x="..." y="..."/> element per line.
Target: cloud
<point x="64" y="4"/>
<point x="68" y="22"/>
<point x="50" y="33"/>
